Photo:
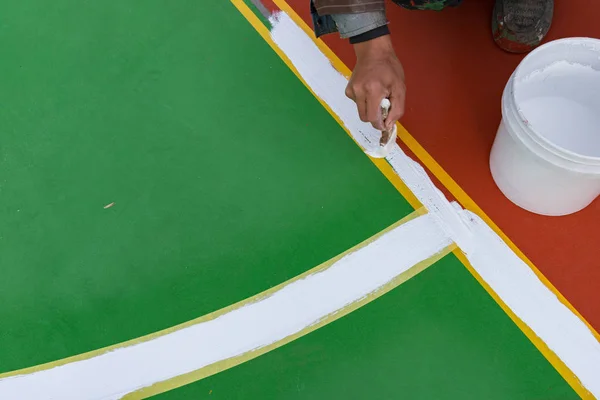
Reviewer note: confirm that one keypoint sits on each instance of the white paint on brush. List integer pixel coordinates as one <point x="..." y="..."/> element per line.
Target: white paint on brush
<point x="385" y="104"/>
<point x="512" y="279"/>
<point x="296" y="306"/>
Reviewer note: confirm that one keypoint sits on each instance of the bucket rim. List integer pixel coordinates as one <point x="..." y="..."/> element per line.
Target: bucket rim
<point x="533" y="132"/>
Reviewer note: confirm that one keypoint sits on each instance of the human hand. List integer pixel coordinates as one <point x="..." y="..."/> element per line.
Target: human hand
<point x="378" y="74"/>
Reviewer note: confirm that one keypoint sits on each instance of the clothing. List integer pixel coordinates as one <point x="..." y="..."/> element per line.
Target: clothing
<point x="370" y="35"/>
<point x="355" y="17"/>
<point x="349" y="25"/>
<point x="518" y="26"/>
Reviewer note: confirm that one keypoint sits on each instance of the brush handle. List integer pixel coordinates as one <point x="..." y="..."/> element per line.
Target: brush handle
<point x="385" y="107"/>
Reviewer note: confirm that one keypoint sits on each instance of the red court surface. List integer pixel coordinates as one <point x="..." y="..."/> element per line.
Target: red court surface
<point x="455" y="78"/>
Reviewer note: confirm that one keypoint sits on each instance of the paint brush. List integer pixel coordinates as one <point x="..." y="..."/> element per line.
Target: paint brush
<point x="388" y="138"/>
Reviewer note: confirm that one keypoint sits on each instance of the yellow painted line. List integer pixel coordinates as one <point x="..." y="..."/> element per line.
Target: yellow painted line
<point x="222" y="365"/>
<point x="461" y="196"/>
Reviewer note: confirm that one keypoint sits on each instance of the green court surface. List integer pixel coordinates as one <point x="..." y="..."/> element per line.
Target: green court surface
<point x="159" y="162"/>
<point x="221" y="188"/>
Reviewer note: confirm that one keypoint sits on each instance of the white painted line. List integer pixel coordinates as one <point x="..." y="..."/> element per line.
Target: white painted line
<point x="512" y="279"/>
<point x="298" y="305"/>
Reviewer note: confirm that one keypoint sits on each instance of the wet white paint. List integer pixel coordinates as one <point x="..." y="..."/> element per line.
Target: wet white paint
<point x="562" y="103"/>
<point x="512" y="279"/>
<point x="298" y="305"/>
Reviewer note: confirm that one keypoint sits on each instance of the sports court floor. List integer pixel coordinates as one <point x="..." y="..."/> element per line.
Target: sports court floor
<point x="166" y="166"/>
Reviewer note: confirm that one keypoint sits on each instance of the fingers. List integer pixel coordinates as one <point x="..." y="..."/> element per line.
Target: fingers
<point x="351" y="93"/>
<point x="397" y="98"/>
<point x="368" y="100"/>
<point x="361" y="105"/>
<point x="374" y="95"/>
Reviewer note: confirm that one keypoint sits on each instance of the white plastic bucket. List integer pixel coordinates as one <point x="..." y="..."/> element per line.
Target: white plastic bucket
<point x="546" y="156"/>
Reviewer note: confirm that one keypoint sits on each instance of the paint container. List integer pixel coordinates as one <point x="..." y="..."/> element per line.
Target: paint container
<point x="546" y="156"/>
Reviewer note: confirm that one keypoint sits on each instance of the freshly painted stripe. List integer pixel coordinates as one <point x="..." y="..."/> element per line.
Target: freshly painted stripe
<point x="529" y="299"/>
<point x="294" y="309"/>
<point x="436" y="169"/>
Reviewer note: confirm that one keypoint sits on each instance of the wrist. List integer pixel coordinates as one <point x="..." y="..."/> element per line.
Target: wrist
<point x="378" y="47"/>
<point x="373" y="33"/>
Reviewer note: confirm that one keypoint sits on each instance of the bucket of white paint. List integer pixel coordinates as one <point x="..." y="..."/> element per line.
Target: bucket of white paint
<point x="546" y="156"/>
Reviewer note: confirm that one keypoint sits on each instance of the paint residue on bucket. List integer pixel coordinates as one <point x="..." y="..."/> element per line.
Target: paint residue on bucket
<point x="546" y="155"/>
<point x="561" y="103"/>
